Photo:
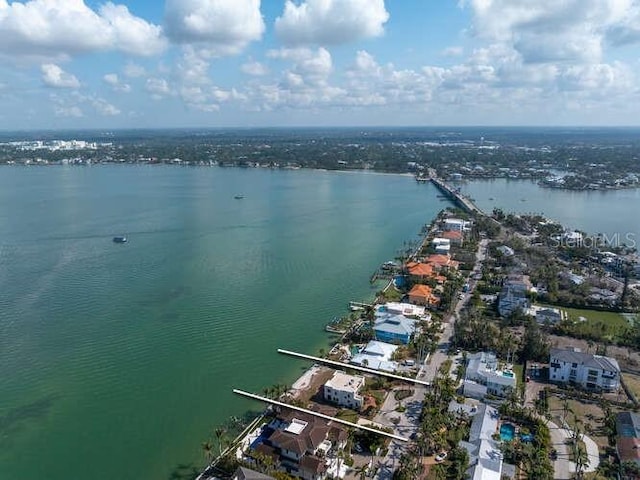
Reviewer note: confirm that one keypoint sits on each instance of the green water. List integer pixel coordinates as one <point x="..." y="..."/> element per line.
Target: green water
<point x="117" y="361"/>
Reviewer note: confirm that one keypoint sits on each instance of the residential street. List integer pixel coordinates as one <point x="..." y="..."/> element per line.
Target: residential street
<point x="409" y="420"/>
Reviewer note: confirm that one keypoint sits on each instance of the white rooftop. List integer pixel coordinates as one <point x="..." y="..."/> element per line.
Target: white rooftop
<point x="342" y="381"/>
<point x="406" y="309"/>
<point x="296" y="426"/>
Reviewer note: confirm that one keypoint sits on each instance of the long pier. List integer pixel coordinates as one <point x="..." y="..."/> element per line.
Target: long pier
<point x="354" y="367"/>
<point x="459" y="199"/>
<point x="319" y="415"/>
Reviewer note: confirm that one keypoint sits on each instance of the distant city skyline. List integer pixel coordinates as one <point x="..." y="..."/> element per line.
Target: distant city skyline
<point x="245" y="63"/>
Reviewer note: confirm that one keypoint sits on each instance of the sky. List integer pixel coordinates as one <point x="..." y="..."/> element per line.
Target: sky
<point x="251" y="63"/>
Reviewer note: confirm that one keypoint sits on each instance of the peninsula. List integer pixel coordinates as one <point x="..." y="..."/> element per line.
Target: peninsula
<point x="472" y="362"/>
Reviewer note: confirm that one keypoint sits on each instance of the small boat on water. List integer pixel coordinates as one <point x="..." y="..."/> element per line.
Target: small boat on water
<point x="120" y="239"/>
<point x="238" y="197"/>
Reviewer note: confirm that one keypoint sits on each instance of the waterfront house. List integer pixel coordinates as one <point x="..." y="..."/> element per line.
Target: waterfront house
<point x="455" y="224"/>
<point x="454" y="237"/>
<point x="484" y="376"/>
<point x="485" y="456"/>
<point x="344" y="390"/>
<point x="420" y="271"/>
<point x="628" y="437"/>
<point x="376" y="355"/>
<point x="422" y="295"/>
<point x="592" y="372"/>
<point x="441" y="245"/>
<point x="244" y="473"/>
<point x="300" y="442"/>
<point x="442" y="262"/>
<point x="406" y="309"/>
<point x="392" y="328"/>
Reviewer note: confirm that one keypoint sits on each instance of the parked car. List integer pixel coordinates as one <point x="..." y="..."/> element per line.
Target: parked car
<point x="441" y="456"/>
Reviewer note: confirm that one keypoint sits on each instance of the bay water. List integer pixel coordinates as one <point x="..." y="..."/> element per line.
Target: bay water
<point x="118" y="360"/>
<point x="614" y="213"/>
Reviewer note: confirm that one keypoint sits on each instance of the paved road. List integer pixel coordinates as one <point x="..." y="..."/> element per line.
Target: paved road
<point x="409" y="421"/>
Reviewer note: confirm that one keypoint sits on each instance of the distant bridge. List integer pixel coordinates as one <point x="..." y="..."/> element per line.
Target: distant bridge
<point x="460" y="200"/>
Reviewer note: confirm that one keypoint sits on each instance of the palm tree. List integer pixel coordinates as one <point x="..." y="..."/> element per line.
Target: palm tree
<point x="219" y="433"/>
<point x="361" y="471"/>
<point x="207" y="449"/>
<point x="581" y="460"/>
<point x="565" y="409"/>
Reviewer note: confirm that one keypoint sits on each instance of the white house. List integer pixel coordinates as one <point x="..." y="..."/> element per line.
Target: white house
<point x="485" y="457"/>
<point x="343" y="390"/>
<point x="406" y="309"/>
<point x="484" y="377"/>
<point x="455" y="224"/>
<point x="376" y="355"/>
<point x="593" y="372"/>
<point x="441" y="245"/>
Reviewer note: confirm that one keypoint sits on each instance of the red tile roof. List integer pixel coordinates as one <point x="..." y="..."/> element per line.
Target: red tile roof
<point x="452" y="235"/>
<point x="419" y="269"/>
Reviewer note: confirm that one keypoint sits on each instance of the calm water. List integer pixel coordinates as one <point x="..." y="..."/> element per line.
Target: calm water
<point x="611" y="212"/>
<point x="117" y="361"/>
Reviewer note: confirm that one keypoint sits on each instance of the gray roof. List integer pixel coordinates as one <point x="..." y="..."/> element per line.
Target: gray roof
<point x="628" y="424"/>
<point x="573" y="355"/>
<point x="395" y="324"/>
<point x="484" y="424"/>
<point x="243" y="473"/>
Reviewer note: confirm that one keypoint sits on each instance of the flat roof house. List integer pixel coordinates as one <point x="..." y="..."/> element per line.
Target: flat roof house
<point x="455" y="224"/>
<point x="344" y="390"/>
<point x="484" y="377"/>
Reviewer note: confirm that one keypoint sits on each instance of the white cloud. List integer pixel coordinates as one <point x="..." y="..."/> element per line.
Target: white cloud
<point x="331" y="22"/>
<point x="255" y="69"/>
<point x="132" y="34"/>
<point x="133" y="70"/>
<point x="114" y="82"/>
<point x="72" y="111"/>
<point x="314" y="65"/>
<point x="219" y="27"/>
<point x="158" y="87"/>
<point x="56" y="77"/>
<point x="103" y="107"/>
<point x="455" y="51"/>
<point x="62" y="28"/>
<point x="550" y="30"/>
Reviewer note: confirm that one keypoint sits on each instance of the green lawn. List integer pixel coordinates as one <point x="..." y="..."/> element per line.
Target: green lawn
<point x="598" y="324"/>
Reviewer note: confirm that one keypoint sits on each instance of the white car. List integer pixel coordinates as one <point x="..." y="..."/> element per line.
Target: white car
<point x="441" y="456"/>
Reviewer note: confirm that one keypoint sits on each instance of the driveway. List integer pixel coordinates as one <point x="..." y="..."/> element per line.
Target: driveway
<point x="563" y="466"/>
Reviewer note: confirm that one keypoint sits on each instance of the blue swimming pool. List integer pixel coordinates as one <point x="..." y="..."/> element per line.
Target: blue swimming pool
<point x="507" y="431"/>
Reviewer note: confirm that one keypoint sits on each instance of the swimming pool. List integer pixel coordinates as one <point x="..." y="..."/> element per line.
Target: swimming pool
<point x="507" y="431"/>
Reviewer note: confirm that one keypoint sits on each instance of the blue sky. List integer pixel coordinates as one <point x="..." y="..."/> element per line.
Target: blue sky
<point x="227" y="63"/>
